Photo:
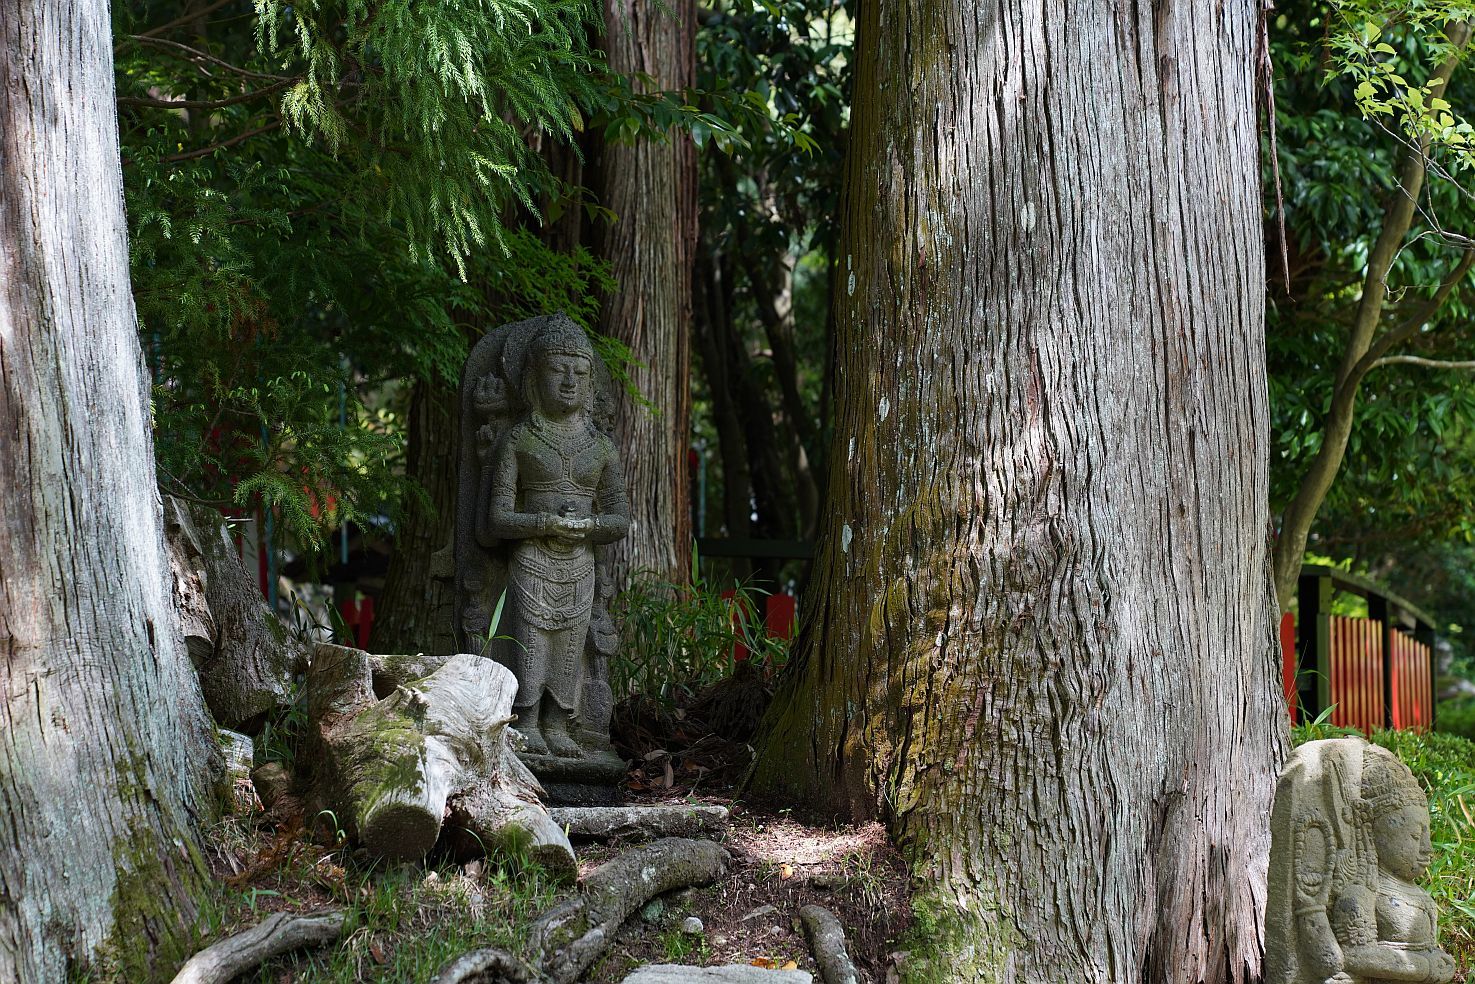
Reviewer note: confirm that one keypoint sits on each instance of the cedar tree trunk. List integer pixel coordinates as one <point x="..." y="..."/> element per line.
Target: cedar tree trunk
<point x="106" y="742"/>
<point x="1040" y="642"/>
<point x="415" y="609"/>
<point x="651" y="186"/>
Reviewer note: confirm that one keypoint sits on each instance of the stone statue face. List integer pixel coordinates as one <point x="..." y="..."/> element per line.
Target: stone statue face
<point x="564" y="384"/>
<point x="1402" y="837"/>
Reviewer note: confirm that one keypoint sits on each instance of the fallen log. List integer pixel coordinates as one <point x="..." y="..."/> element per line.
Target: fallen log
<point x="667" y="820"/>
<point x="432" y="752"/>
<point x="827" y="942"/>
<point x="279" y="933"/>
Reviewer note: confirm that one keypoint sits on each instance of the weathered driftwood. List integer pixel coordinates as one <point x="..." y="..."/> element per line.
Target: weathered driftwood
<point x="666" y="820"/>
<point x="827" y="942"/>
<point x="570" y="937"/>
<point x="432" y="750"/>
<point x="279" y="933"/>
<point x="245" y="657"/>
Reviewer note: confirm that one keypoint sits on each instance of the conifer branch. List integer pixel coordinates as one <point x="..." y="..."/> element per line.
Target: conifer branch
<point x="205" y="103"/>
<point x="206" y="151"/>
<point x="196" y="55"/>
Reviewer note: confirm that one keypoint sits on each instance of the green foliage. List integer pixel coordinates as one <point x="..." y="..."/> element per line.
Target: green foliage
<point x="1444" y="764"/>
<point x="1407" y="467"/>
<point x="318" y="201"/>
<point x="1399" y="509"/>
<point x="1362" y="39"/>
<point x="1456" y="717"/>
<point x="679" y="638"/>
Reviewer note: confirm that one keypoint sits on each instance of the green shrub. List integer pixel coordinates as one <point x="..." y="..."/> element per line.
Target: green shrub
<point x="1456" y="717"/>
<point x="1445" y="766"/>
<point x="679" y="639"/>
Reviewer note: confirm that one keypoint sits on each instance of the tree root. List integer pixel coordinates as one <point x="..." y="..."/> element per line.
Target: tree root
<point x="570" y="937"/>
<point x="488" y="966"/>
<point x="827" y="942"/>
<point x="675" y="820"/>
<point x="277" y="934"/>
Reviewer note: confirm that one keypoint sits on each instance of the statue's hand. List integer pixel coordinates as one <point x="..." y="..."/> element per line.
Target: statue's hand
<point x="574" y="529"/>
<point x="1441" y="967"/>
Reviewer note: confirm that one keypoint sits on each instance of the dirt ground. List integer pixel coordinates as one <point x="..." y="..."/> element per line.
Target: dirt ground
<point x="752" y="916"/>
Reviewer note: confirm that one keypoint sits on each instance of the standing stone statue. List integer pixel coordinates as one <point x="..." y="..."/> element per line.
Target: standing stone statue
<point x="1349" y="842"/>
<point x="540" y="492"/>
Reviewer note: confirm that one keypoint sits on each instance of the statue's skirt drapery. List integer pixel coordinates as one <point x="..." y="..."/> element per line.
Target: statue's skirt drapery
<point x="550" y="588"/>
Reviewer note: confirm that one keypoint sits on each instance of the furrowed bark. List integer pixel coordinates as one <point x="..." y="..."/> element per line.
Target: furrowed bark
<point x="1040" y="637"/>
<point x="108" y="754"/>
<point x="651" y="188"/>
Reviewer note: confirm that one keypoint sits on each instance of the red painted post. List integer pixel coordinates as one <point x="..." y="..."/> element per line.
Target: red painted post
<point x="779" y="615"/>
<point x="1288" y="661"/>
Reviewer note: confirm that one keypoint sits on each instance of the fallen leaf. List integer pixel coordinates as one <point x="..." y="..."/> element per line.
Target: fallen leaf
<point x="791" y="965"/>
<point x="763" y="962"/>
<point x="670" y="777"/>
<point x="377" y="952"/>
<point x="786" y="871"/>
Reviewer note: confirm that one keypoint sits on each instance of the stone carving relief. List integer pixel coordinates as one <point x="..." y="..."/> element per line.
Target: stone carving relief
<point x="1349" y="843"/>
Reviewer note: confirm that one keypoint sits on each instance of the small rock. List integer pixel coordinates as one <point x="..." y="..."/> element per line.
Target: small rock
<point x="775" y="930"/>
<point x="827" y="881"/>
<point x="719" y="941"/>
<point x="653" y="911"/>
<point x="691" y="924"/>
<point x="760" y="912"/>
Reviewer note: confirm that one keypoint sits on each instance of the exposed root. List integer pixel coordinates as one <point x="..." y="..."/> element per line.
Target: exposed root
<point x="277" y="934"/>
<point x="827" y="942"/>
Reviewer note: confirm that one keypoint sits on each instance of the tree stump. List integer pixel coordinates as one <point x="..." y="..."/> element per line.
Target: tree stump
<point x="243" y="653"/>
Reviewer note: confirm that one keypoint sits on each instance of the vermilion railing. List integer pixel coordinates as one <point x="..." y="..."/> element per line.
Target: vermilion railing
<point x="1412" y="697"/>
<point x="1357" y="673"/>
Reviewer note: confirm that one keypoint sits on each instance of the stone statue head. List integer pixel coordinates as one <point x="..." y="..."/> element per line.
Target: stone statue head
<point x="1399" y="814"/>
<point x="558" y="376"/>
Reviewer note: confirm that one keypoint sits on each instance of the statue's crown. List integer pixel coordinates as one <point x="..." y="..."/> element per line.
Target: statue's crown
<point x="1387" y="785"/>
<point x="561" y="337"/>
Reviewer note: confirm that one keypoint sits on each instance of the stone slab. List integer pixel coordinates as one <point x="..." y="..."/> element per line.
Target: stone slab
<point x="601" y="769"/>
<point x="729" y="974"/>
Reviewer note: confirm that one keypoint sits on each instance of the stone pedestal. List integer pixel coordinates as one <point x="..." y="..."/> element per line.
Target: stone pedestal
<point x="595" y="779"/>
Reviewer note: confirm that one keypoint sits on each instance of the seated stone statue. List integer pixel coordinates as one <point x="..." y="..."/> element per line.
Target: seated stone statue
<point x="1349" y="842"/>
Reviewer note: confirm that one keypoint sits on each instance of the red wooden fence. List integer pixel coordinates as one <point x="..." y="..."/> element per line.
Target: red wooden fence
<point x="1412" y="692"/>
<point x="1357" y="673"/>
<point x="1366" y="690"/>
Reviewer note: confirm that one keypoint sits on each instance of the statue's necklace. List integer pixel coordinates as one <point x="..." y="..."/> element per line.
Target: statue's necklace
<point x="565" y="441"/>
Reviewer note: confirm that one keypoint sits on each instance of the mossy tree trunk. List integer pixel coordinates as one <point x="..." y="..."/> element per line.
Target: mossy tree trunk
<point x="1040" y="637"/>
<point x="107" y="746"/>
<point x="651" y="187"/>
